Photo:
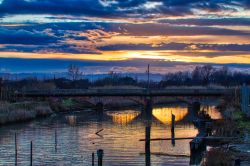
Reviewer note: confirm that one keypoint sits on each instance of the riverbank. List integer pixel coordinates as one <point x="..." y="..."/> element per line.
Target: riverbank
<point x="234" y="124"/>
<point x="23" y="111"/>
<point x="240" y="148"/>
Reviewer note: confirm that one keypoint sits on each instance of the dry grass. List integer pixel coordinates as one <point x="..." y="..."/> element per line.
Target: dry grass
<point x="218" y="157"/>
<point x="17" y="112"/>
<point x="227" y="128"/>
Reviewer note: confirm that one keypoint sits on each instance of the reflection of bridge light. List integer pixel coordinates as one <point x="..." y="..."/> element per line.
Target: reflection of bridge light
<point x="165" y="114"/>
<point x="212" y="112"/>
<point x="123" y="117"/>
<point x="71" y="119"/>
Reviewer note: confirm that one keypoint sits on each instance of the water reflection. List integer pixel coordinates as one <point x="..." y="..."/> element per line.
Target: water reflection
<point x="164" y="114"/>
<point x="56" y="142"/>
<point x="71" y="119"/>
<point x="212" y="112"/>
<point x="123" y="117"/>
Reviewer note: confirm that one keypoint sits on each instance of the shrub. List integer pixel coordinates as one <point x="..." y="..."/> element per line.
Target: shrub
<point x="218" y="157"/>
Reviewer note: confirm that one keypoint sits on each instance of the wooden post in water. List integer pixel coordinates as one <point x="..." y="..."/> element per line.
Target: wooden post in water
<point x="147" y="146"/>
<point x="173" y="130"/>
<point x="15" y="149"/>
<point x="93" y="159"/>
<point x="31" y="153"/>
<point x="237" y="162"/>
<point x="1" y="90"/>
<point x="173" y="123"/>
<point x="100" y="156"/>
<point x="55" y="140"/>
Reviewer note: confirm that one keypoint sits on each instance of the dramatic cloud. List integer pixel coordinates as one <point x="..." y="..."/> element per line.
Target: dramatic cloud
<point x="170" y="31"/>
<point x="25" y="37"/>
<point x="118" y="8"/>
<point x="209" y="22"/>
<point x="70" y="7"/>
<point x="178" y="46"/>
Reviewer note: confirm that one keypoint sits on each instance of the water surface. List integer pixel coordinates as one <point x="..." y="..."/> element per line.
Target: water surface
<point x="70" y="139"/>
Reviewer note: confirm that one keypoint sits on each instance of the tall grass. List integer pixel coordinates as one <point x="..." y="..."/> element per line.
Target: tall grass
<point x="17" y="112"/>
<point x="218" y="157"/>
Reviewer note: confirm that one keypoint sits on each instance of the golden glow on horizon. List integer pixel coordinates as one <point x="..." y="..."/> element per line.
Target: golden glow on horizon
<point x="158" y="40"/>
<point x="165" y="114"/>
<point x="210" y="39"/>
<point x="98" y="38"/>
<point x="121" y="39"/>
<point x="180" y="56"/>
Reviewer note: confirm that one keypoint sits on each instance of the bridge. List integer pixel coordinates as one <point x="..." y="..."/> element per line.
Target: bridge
<point x="126" y="92"/>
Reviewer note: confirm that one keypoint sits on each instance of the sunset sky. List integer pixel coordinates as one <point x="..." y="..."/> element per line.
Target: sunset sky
<point x="123" y="35"/>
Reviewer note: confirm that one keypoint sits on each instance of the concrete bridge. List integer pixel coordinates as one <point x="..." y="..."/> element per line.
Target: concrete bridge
<point x="144" y="97"/>
<point x="126" y="92"/>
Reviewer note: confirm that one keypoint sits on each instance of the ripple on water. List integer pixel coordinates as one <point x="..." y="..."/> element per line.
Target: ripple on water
<point x="71" y="141"/>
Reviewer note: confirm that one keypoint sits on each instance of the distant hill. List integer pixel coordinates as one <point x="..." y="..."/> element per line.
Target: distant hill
<point x="91" y="77"/>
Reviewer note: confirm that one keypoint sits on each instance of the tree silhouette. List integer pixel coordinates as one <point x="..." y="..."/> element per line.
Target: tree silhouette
<point x="74" y="72"/>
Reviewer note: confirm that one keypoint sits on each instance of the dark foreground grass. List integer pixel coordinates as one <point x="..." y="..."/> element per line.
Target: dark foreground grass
<point x="218" y="157"/>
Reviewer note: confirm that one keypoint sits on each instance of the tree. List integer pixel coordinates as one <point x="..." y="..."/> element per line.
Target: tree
<point x="196" y="75"/>
<point x="201" y="74"/>
<point x="206" y="72"/>
<point x="221" y="76"/>
<point x="74" y="72"/>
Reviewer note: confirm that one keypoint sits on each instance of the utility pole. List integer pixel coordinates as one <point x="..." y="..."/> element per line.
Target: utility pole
<point x="148" y="75"/>
<point x="1" y="89"/>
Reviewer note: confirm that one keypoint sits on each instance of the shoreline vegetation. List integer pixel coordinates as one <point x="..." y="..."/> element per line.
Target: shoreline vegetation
<point x="30" y="110"/>
<point x="23" y="111"/>
<point x="235" y="123"/>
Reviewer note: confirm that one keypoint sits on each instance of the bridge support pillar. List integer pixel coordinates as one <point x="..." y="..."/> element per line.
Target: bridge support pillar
<point x="148" y="106"/>
<point x="99" y="107"/>
<point x="196" y="106"/>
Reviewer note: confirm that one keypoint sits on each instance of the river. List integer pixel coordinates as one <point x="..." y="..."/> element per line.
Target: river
<point x="70" y="139"/>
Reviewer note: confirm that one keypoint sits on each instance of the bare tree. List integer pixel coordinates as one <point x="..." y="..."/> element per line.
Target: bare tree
<point x="74" y="72"/>
<point x="206" y="71"/>
<point x="201" y="74"/>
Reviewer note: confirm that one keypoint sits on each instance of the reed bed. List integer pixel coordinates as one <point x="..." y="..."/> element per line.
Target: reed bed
<point x="18" y="112"/>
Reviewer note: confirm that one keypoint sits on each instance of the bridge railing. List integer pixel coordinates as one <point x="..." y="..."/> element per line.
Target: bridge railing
<point x="208" y="90"/>
<point x="176" y="91"/>
<point x="82" y="91"/>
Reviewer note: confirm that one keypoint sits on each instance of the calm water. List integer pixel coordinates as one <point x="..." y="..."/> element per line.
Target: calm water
<point x="75" y="138"/>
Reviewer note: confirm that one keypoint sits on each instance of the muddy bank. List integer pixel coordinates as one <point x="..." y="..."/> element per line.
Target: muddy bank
<point x="24" y="111"/>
